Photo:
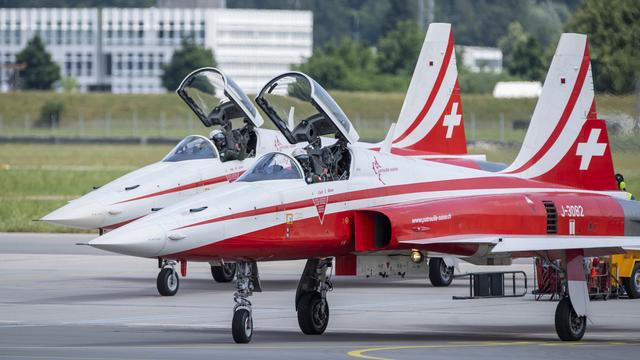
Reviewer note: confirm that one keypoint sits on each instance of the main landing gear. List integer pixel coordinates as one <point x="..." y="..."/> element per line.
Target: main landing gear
<point x="168" y="281"/>
<point x="572" y="310"/>
<point x="223" y="273"/>
<point x="440" y="274"/>
<point x="311" y="296"/>
<point x="247" y="281"/>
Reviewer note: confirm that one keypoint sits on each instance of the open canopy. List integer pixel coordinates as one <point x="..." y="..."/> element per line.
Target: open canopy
<point x="303" y="110"/>
<point x="216" y="98"/>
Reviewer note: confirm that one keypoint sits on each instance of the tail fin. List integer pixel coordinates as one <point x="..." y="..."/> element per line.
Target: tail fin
<point x="431" y="116"/>
<point x="565" y="143"/>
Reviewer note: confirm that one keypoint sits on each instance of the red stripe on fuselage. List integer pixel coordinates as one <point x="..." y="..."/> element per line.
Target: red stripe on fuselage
<point x="443" y="185"/>
<point x="211" y="181"/>
<point x="434" y="91"/>
<point x="573" y="98"/>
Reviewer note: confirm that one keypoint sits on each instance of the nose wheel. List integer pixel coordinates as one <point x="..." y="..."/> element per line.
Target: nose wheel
<point x="247" y="281"/>
<point x="168" y="282"/>
<point x="311" y="296"/>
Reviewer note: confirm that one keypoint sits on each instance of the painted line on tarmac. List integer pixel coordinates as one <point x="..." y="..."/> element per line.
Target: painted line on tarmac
<point x="360" y="353"/>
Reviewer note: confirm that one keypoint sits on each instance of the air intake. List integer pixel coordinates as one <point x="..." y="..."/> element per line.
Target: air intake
<point x="552" y="217"/>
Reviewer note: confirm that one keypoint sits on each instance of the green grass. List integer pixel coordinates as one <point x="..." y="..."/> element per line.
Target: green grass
<point x="37" y="179"/>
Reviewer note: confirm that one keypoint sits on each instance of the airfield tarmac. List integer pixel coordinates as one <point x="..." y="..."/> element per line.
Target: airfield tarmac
<point x="62" y="301"/>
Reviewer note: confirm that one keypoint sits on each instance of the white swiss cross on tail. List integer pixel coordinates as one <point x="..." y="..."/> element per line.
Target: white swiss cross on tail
<point x="452" y="120"/>
<point x="590" y="149"/>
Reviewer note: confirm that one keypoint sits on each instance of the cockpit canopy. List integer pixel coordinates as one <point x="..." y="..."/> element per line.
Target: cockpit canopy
<point x="303" y="110"/>
<point x="192" y="147"/>
<point x="216" y="98"/>
<point x="273" y="166"/>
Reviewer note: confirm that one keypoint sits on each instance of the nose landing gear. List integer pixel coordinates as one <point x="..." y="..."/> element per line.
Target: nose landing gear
<point x="247" y="281"/>
<point x="168" y="282"/>
<point x="311" y="296"/>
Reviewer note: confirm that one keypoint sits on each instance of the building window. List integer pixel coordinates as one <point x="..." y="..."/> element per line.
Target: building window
<point x="79" y="64"/>
<point x="171" y="33"/>
<point x="140" y="32"/>
<point x="130" y="33"/>
<point x="129" y="62"/>
<point x="59" y="33"/>
<point x="151" y="64"/>
<point x="109" y="31"/>
<point x="68" y="33"/>
<point x="161" y="30"/>
<point x="68" y="65"/>
<point x="140" y="62"/>
<point x="89" y="64"/>
<point x="119" y="33"/>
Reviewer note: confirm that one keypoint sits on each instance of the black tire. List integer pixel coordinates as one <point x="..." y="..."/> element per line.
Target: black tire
<point x="223" y="273"/>
<point x="569" y="326"/>
<point x="313" y="314"/>
<point x="168" y="282"/>
<point x="242" y="326"/>
<point x="439" y="274"/>
<point x="632" y="284"/>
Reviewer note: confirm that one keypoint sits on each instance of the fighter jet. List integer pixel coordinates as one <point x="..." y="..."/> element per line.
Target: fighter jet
<point x="430" y="126"/>
<point x="558" y="200"/>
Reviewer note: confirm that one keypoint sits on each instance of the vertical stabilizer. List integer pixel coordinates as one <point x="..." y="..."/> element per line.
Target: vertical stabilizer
<point x="431" y="116"/>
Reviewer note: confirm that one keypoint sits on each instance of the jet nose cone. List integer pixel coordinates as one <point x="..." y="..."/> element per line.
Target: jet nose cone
<point x="145" y="241"/>
<point x="80" y="214"/>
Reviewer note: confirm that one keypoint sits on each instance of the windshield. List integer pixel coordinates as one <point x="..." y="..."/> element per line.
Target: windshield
<point x="274" y="166"/>
<point x="192" y="148"/>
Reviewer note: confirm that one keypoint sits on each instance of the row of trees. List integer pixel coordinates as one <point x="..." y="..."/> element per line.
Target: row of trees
<point x="612" y="28"/>
<point x="384" y="59"/>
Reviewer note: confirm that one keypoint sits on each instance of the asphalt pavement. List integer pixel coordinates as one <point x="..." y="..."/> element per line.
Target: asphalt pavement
<point x="59" y="300"/>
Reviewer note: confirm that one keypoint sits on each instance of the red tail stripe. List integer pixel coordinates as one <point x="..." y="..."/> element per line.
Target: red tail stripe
<point x="214" y="180"/>
<point x="434" y="91"/>
<point x="573" y="98"/>
<point x="445" y="185"/>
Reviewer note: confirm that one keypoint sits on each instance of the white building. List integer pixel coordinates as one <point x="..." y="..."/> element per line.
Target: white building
<point x="251" y="46"/>
<point x="480" y="58"/>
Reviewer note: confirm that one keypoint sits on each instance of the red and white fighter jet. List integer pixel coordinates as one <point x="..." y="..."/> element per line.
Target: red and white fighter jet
<point x="557" y="201"/>
<point x="430" y="126"/>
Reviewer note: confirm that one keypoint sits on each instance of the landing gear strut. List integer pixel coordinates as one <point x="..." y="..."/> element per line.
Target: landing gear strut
<point x="311" y="296"/>
<point x="168" y="281"/>
<point x="223" y="273"/>
<point x="247" y="281"/>
<point x="439" y="273"/>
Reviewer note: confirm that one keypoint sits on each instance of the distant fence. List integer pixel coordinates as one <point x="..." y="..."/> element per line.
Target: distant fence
<point x="133" y="129"/>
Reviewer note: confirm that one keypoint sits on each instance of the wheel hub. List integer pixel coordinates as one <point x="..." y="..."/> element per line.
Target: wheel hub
<point x="636" y="279"/>
<point x="576" y="323"/>
<point x="445" y="272"/>
<point x="319" y="313"/>
<point x="172" y="281"/>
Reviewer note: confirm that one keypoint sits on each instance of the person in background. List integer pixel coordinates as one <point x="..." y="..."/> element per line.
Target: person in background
<point x="623" y="186"/>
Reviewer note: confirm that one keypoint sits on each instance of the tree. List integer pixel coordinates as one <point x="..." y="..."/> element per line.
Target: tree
<point x="183" y="61"/>
<point x="522" y="55"/>
<point x="40" y="72"/>
<point x="613" y="31"/>
<point x="398" y="50"/>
